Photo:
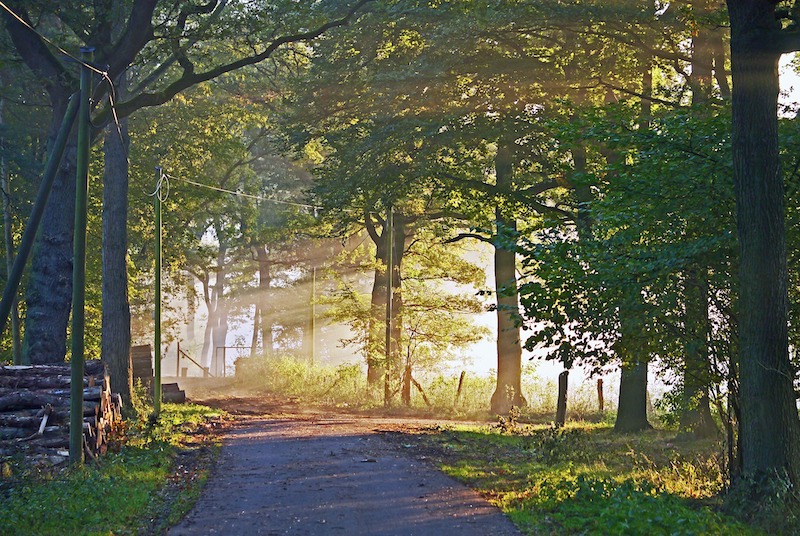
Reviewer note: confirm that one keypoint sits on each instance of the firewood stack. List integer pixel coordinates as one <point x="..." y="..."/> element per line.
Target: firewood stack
<point x="35" y="405"/>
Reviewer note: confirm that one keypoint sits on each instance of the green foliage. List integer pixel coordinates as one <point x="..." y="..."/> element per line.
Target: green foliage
<point x="120" y="494"/>
<point x="344" y="385"/>
<point x="599" y="506"/>
<point x="584" y="479"/>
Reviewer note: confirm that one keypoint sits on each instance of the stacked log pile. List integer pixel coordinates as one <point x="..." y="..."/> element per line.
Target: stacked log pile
<point x="35" y="406"/>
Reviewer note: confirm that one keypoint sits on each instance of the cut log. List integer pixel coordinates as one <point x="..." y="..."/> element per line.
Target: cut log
<point x="34" y="420"/>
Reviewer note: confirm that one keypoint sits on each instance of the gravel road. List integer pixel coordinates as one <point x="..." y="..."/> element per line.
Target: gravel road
<point x="332" y="475"/>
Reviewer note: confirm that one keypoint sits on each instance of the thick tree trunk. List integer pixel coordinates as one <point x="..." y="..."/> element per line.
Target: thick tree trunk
<point x="769" y="427"/>
<point x="508" y="392"/>
<point x="376" y="339"/>
<point x="632" y="408"/>
<point x="116" y="313"/>
<point x="49" y="293"/>
<point x="376" y="344"/>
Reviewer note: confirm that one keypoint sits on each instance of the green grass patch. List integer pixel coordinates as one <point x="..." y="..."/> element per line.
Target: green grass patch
<point x="585" y="479"/>
<point x="149" y="484"/>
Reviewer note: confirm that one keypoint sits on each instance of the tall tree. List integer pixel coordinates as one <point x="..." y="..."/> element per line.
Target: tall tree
<point x="770" y="430"/>
<point x="182" y="62"/>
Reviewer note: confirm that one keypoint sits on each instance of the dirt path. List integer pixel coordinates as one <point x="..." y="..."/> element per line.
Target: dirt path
<point x="332" y="474"/>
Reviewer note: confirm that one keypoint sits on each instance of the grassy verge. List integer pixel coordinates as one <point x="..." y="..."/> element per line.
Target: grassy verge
<point x="144" y="488"/>
<point x="585" y="479"/>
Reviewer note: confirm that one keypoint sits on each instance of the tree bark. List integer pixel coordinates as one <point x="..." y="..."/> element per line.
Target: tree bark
<point x="769" y="427"/>
<point x="265" y="297"/>
<point x="49" y="292"/>
<point x="116" y="312"/>
<point x="696" y="418"/>
<point x="632" y="408"/>
<point x="376" y="341"/>
<point x="508" y="392"/>
<point x="561" y="402"/>
<point x="398" y="240"/>
<point x="219" y="324"/>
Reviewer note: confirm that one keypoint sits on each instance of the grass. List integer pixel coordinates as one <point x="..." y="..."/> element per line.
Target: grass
<point x="585" y="479"/>
<point x="345" y="386"/>
<point x="144" y="488"/>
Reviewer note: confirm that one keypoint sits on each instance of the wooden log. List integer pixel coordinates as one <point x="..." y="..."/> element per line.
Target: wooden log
<point x="35" y="419"/>
<point x="90" y="368"/>
<point x="89" y="393"/>
<point x="27" y="418"/>
<point x="31" y="399"/>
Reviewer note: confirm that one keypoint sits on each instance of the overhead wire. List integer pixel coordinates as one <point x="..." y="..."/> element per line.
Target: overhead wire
<point x="163" y="183"/>
<point x="242" y="194"/>
<point x="162" y="187"/>
<point x="103" y="74"/>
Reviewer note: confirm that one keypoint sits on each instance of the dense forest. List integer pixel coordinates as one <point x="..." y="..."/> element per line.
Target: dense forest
<point x="625" y="164"/>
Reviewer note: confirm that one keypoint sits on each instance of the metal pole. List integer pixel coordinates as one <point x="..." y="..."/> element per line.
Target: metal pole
<point x="313" y="313"/>
<point x="389" y="295"/>
<point x="178" y="361"/>
<point x="32" y="226"/>
<point x="157" y="308"/>
<point x="79" y="266"/>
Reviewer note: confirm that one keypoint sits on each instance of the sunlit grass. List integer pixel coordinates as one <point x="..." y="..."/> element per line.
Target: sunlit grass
<point x="346" y="386"/>
<point x="140" y="489"/>
<point x="585" y="479"/>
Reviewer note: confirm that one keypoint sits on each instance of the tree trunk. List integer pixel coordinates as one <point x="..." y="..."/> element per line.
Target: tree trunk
<point x="399" y="241"/>
<point x="561" y="402"/>
<point x="769" y="427"/>
<point x="191" y="310"/>
<point x="219" y="326"/>
<point x="49" y="292"/>
<point x="376" y="339"/>
<point x="376" y="344"/>
<point x="508" y="392"/>
<point x="696" y="418"/>
<point x="406" y="390"/>
<point x="632" y="408"/>
<point x="116" y="312"/>
<point x="265" y="297"/>
<point x="256" y="329"/>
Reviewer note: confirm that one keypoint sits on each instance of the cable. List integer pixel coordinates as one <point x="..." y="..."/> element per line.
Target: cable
<point x="49" y="42"/>
<point x="162" y="187"/>
<point x="103" y="74"/>
<point x="241" y="194"/>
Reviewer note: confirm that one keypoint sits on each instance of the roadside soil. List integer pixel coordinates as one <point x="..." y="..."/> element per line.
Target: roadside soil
<point x="286" y="470"/>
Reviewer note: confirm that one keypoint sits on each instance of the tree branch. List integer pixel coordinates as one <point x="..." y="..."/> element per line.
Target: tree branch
<point x="189" y="79"/>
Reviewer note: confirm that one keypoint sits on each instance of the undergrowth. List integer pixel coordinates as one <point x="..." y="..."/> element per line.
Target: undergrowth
<point x="586" y="479"/>
<point x="346" y="386"/>
<point x="149" y="484"/>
